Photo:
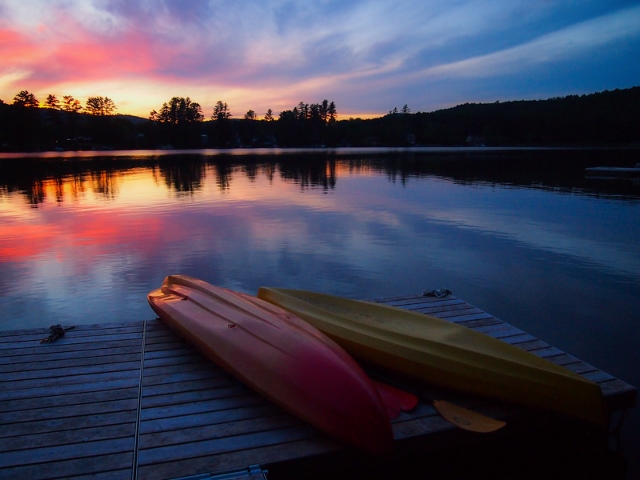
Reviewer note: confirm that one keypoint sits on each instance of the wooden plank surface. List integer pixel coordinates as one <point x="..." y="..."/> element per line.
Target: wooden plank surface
<point x="69" y="408"/>
<point x="134" y="401"/>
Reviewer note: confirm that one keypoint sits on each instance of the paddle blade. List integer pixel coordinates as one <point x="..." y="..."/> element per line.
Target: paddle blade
<point x="467" y="419"/>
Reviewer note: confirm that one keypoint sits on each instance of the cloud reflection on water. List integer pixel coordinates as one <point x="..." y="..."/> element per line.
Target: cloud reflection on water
<point x="362" y="227"/>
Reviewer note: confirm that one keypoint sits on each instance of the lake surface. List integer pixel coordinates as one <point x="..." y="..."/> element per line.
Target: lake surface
<point x="521" y="234"/>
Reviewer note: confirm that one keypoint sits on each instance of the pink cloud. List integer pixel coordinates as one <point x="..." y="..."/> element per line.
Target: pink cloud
<point x="91" y="60"/>
<point x="67" y="51"/>
<point x="83" y="55"/>
<point x="17" y="49"/>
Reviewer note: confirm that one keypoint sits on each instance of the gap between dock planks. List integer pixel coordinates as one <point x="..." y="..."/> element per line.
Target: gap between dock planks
<point x="134" y="401"/>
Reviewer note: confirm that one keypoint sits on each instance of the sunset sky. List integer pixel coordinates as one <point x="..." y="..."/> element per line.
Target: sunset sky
<point x="368" y="56"/>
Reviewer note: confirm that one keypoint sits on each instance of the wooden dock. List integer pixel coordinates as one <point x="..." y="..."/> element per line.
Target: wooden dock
<point x="134" y="401"/>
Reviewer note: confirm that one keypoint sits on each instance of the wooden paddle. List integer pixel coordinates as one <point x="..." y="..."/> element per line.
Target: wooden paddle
<point x="467" y="419"/>
<point x="397" y="400"/>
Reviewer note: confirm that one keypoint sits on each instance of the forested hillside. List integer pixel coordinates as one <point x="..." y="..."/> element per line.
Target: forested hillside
<point x="606" y="118"/>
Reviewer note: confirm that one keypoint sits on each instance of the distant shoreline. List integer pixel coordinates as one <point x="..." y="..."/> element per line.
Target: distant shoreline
<point x="243" y="151"/>
<point x="607" y="119"/>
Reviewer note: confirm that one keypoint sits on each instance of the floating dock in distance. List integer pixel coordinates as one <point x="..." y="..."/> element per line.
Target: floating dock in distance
<point x="613" y="172"/>
<point x="132" y="400"/>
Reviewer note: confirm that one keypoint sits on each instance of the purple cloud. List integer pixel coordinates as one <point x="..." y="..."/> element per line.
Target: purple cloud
<point x="367" y="55"/>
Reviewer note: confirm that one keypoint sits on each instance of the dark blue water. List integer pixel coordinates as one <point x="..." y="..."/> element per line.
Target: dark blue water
<point x="521" y="234"/>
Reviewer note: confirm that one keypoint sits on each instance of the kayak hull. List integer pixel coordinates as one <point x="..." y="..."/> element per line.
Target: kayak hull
<point x="444" y="354"/>
<point x="280" y="356"/>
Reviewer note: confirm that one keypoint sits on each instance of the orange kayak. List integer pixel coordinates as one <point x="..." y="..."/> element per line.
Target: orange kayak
<point x="280" y="356"/>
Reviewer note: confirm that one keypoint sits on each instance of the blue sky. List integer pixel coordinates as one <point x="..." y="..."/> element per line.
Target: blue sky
<point x="367" y="56"/>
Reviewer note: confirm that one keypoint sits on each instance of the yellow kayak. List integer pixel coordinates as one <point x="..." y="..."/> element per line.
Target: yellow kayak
<point x="444" y="354"/>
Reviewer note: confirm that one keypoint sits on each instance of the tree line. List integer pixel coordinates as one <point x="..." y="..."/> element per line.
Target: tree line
<point x="182" y="122"/>
<point x="65" y="124"/>
<point x="93" y="106"/>
<point x="604" y="118"/>
<point x="179" y="123"/>
<point x="607" y="118"/>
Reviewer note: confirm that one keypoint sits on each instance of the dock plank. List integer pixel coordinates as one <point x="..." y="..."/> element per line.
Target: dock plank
<point x="65" y="437"/>
<point x="250" y="407"/>
<point x="116" y="466"/>
<point x="251" y="439"/>
<point x="229" y="460"/>
<point x="43" y="391"/>
<point x="70" y="356"/>
<point x="66" y="452"/>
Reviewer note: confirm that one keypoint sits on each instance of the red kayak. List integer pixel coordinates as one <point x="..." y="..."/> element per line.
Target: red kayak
<point x="280" y="356"/>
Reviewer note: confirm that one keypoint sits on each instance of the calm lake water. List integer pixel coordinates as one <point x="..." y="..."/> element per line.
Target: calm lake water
<point x="521" y="234"/>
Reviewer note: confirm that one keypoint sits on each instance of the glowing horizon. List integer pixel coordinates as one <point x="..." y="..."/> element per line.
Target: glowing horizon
<point x="367" y="56"/>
